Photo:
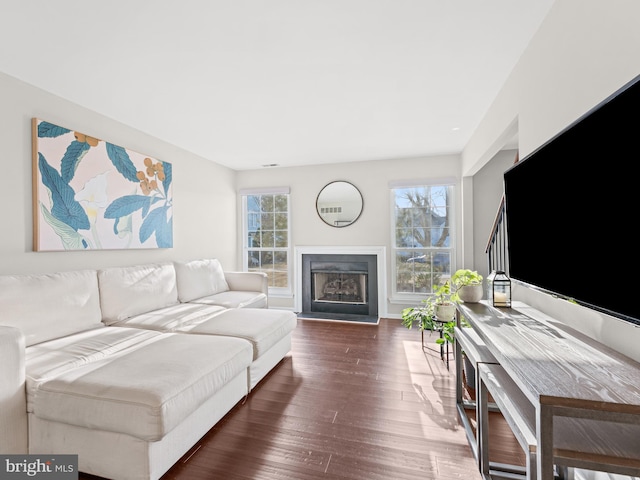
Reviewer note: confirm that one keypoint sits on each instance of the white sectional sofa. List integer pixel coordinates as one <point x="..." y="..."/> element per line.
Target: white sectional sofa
<point x="128" y="367"/>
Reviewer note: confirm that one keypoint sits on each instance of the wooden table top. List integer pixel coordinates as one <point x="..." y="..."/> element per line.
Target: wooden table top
<point x="554" y="364"/>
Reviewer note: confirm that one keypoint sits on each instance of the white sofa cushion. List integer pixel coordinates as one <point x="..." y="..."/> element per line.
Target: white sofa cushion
<point x="262" y="327"/>
<point x="144" y="392"/>
<point x="171" y="318"/>
<point x="48" y="306"/>
<point x="199" y="278"/>
<point x="129" y="291"/>
<point x="235" y="299"/>
<point x="47" y="360"/>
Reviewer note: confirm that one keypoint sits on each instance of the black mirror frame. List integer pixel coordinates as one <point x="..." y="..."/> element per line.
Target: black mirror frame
<point x="356" y="191"/>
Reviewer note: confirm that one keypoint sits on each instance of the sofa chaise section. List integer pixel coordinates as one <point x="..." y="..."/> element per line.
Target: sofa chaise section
<point x="162" y="308"/>
<point x="146" y="405"/>
<point x="268" y="331"/>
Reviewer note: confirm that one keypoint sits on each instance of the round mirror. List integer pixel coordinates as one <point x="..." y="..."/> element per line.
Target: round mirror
<point x="339" y="204"/>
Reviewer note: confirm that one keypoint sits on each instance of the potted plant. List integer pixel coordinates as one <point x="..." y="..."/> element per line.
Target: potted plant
<point x="437" y="314"/>
<point x="468" y="285"/>
<point x="440" y="305"/>
<point x="444" y="302"/>
<point x="465" y="285"/>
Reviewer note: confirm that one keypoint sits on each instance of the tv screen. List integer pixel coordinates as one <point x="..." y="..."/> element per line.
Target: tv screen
<point x="572" y="210"/>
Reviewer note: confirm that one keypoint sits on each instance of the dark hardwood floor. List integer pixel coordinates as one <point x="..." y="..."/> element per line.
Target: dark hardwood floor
<point x="351" y="401"/>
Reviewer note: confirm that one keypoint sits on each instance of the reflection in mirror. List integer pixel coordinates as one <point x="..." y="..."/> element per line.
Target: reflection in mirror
<point x="339" y="204"/>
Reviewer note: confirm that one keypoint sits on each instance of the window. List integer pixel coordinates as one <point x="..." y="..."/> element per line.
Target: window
<point x="266" y="237"/>
<point x="422" y="238"/>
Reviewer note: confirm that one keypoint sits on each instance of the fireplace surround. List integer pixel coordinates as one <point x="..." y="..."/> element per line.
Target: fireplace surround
<point x="342" y="283"/>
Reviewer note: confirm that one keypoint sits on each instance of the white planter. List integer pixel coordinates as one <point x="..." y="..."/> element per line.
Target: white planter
<point x="471" y="293"/>
<point x="445" y="313"/>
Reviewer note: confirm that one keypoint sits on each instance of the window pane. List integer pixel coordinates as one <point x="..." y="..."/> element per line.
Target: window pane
<point x="267" y="203"/>
<point x="266" y="260"/>
<point x="253" y="203"/>
<point x="267" y="239"/>
<point x="420" y="217"/>
<point x="266" y="220"/>
<point x="253" y="239"/>
<point x="281" y="221"/>
<point x="412" y="272"/>
<point x="442" y="265"/>
<point x="253" y="261"/>
<point x="253" y="222"/>
<point x="439" y="237"/>
<point x="280" y="270"/>
<point x="404" y="237"/>
<point x="281" y="239"/>
<point x="281" y="203"/>
<point x="421" y="237"/>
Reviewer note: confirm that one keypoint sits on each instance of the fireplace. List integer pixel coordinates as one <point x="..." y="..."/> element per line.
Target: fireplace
<point x="339" y="287"/>
<point x="335" y="285"/>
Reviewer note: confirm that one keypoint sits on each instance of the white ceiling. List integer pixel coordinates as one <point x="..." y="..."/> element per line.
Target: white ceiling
<point x="247" y="83"/>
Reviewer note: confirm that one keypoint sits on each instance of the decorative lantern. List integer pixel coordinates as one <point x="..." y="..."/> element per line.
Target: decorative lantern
<point x="499" y="289"/>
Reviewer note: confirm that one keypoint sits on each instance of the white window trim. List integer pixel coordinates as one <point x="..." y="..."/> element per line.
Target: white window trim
<point x="273" y="291"/>
<point x="416" y="298"/>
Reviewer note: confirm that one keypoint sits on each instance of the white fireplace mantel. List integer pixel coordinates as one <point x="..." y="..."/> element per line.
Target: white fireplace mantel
<point x="381" y="264"/>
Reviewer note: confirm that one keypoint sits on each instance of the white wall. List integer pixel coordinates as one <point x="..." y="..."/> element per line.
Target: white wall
<point x="372" y="178"/>
<point x="487" y="193"/>
<point x="204" y="193"/>
<point x="584" y="51"/>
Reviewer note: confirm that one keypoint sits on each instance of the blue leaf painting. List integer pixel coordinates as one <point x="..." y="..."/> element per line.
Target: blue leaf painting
<point x="49" y="130"/>
<point x="96" y="195"/>
<point x="168" y="176"/>
<point x="65" y="208"/>
<point x="71" y="159"/>
<point x="128" y="204"/>
<point x="120" y="159"/>
<point x="154" y="222"/>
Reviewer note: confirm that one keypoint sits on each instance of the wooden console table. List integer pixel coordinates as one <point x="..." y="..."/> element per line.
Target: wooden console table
<point x="574" y="402"/>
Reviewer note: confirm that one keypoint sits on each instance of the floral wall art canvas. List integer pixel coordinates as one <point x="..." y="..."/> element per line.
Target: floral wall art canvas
<point x="90" y="194"/>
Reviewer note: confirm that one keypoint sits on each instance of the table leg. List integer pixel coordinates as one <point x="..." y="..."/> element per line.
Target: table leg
<point x="544" y="451"/>
<point x="447" y="346"/>
<point x="482" y="434"/>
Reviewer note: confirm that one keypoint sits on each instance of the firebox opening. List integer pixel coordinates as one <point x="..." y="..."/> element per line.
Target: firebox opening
<point x="340" y="287"/>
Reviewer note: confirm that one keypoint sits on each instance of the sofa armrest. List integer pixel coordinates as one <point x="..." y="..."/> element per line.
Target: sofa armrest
<point x="247" y="281"/>
<point x="13" y="400"/>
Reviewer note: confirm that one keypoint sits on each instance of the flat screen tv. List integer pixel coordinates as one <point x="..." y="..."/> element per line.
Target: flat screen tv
<point x="573" y="210"/>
